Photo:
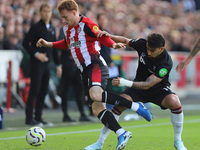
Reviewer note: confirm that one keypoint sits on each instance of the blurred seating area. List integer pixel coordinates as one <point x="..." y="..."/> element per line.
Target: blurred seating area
<point x="177" y="20"/>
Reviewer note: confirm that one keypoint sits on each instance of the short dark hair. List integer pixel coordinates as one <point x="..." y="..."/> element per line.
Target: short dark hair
<point x="99" y="15"/>
<point x="155" y="40"/>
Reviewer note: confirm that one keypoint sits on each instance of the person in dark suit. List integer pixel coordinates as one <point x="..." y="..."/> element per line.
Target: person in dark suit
<point x="105" y="51"/>
<point x="71" y="78"/>
<point x="39" y="64"/>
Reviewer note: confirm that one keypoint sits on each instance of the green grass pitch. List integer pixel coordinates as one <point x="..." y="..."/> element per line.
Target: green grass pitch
<point x="156" y="135"/>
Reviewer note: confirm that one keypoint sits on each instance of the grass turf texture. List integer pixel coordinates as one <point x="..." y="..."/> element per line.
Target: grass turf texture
<point x="156" y="135"/>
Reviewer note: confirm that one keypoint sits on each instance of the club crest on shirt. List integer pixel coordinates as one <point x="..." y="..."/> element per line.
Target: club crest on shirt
<point x="86" y="98"/>
<point x="79" y="30"/>
<point x="95" y="28"/>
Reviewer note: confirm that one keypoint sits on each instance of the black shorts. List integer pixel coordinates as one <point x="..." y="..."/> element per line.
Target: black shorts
<point x="154" y="95"/>
<point x="96" y="74"/>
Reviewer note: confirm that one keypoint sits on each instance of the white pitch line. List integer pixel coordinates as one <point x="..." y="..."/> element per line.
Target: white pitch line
<point x="97" y="130"/>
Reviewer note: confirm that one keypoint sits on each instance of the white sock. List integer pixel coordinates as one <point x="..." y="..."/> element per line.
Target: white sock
<point x="105" y="132"/>
<point x="120" y="131"/>
<point x="177" y="121"/>
<point x="134" y="106"/>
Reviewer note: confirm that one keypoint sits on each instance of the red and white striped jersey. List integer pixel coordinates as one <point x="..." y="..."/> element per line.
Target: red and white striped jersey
<point x="82" y="41"/>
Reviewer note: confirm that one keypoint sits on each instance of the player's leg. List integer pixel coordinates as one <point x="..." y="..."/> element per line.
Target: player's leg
<point x="64" y="88"/>
<point x="41" y="96"/>
<point x="118" y="100"/>
<point x="35" y="75"/>
<point x="95" y="80"/>
<point x="96" y="76"/>
<point x="78" y="87"/>
<point x="109" y="120"/>
<point x="117" y="110"/>
<point x="172" y="102"/>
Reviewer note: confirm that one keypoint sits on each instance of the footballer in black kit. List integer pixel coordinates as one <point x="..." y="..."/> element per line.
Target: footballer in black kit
<point x="151" y="83"/>
<point x="159" y="66"/>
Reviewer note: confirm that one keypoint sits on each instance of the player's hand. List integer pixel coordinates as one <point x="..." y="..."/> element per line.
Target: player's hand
<point x="116" y="81"/>
<point x="182" y="64"/>
<point x="118" y="45"/>
<point x="111" y="65"/>
<point x="59" y="71"/>
<point x="42" y="57"/>
<point x="101" y="33"/>
<point x="43" y="43"/>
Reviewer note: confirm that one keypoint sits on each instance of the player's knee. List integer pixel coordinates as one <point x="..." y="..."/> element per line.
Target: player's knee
<point x="175" y="103"/>
<point x="96" y="93"/>
<point x="96" y="96"/>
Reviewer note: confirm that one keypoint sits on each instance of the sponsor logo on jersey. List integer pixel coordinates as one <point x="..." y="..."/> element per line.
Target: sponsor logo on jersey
<point x="71" y="39"/>
<point x="163" y="72"/>
<point x="76" y="44"/>
<point x="116" y="102"/>
<point x="142" y="58"/>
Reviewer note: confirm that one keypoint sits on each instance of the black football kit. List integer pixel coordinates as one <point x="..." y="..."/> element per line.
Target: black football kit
<point x="159" y="66"/>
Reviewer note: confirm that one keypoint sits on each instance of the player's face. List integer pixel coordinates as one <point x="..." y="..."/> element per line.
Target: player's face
<point x="154" y="52"/>
<point x="68" y="17"/>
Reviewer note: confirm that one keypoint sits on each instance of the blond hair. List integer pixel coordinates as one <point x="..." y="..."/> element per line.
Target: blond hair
<point x="69" y="5"/>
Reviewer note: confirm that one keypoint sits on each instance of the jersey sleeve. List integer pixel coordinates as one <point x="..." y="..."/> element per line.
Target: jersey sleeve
<point x="137" y="43"/>
<point x="162" y="71"/>
<point x="91" y="28"/>
<point x="60" y="44"/>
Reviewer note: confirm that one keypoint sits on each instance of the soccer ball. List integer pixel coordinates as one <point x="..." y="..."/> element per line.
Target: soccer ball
<point x="35" y="136"/>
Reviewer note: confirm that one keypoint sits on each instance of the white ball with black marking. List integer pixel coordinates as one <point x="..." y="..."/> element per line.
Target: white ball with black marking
<point x="35" y="136"/>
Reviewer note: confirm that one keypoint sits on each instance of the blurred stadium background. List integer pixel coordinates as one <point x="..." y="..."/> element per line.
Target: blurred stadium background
<point x="177" y="20"/>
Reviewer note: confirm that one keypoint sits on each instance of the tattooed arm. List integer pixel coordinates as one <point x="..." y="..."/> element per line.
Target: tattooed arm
<point x="193" y="53"/>
<point x="144" y="85"/>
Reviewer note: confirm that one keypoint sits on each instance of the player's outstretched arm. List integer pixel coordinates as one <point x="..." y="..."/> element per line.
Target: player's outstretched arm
<point x="115" y="38"/>
<point x="107" y="41"/>
<point x="193" y="53"/>
<point x="144" y="85"/>
<point x="120" y="39"/>
<point x="43" y="43"/>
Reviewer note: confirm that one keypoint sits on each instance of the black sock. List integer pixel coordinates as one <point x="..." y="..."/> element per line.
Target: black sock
<point x="114" y="99"/>
<point x="109" y="120"/>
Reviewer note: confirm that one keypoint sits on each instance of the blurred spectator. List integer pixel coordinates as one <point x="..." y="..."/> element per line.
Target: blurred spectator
<point x="13" y="42"/>
<point x="160" y="16"/>
<point x="175" y="38"/>
<point x="189" y="5"/>
<point x="2" y="42"/>
<point x="26" y="26"/>
<point x="105" y="51"/>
